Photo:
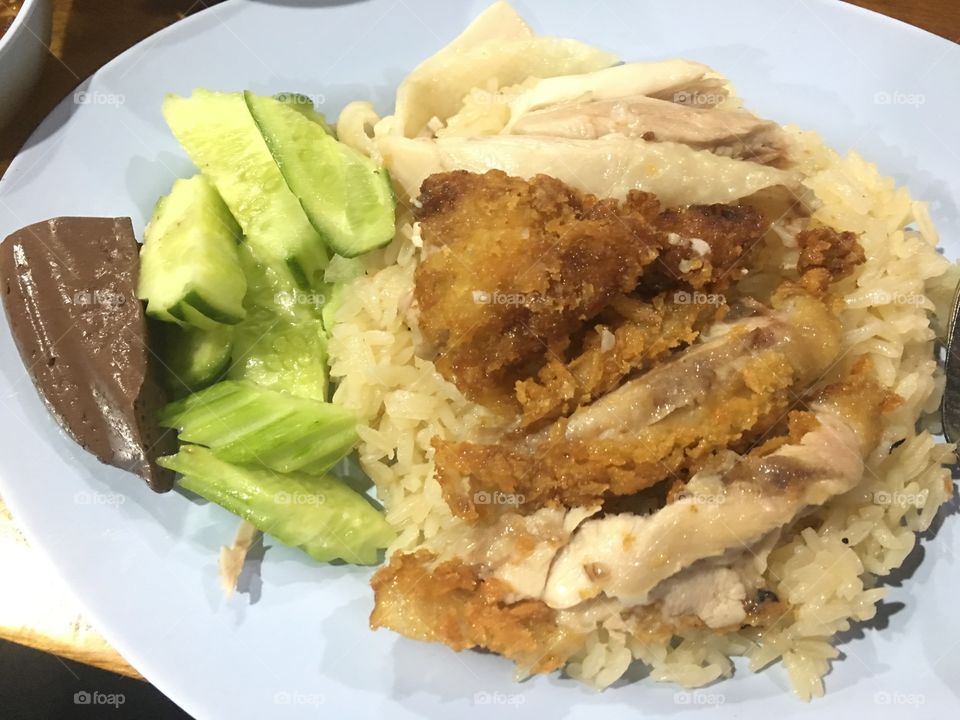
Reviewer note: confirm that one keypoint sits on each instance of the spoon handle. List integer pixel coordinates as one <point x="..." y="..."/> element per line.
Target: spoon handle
<point x="950" y="410"/>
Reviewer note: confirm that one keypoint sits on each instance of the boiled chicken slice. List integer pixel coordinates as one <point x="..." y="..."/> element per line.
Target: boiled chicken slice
<point x="731" y="133"/>
<point x="608" y="167"/>
<point x="732" y="504"/>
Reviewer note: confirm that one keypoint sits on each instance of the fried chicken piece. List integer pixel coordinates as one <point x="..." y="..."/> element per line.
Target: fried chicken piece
<point x="796" y="424"/>
<point x="745" y="499"/>
<point x="708" y="397"/>
<point x="582" y="472"/>
<point x="705" y="245"/>
<point x="638" y="334"/>
<point x="826" y="256"/>
<point x="513" y="268"/>
<point x="450" y="602"/>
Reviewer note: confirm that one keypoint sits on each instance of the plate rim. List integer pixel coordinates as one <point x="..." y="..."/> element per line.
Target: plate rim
<point x="141" y="659"/>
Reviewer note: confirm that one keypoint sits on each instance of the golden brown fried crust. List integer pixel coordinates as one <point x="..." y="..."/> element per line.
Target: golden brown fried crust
<point x="575" y="473"/>
<point x="512" y="269"/>
<point x="861" y="400"/>
<point x="451" y="603"/>
<point x="826" y="256"/>
<point x="797" y="424"/>
<point x="641" y="332"/>
<point x="731" y="231"/>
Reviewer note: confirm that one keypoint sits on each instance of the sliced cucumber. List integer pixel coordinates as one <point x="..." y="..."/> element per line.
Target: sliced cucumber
<point x="222" y="139"/>
<point x="192" y="358"/>
<point x="304" y="105"/>
<point x="331" y="306"/>
<point x="280" y="344"/>
<point x="318" y="514"/>
<point x="245" y="423"/>
<point x="340" y="273"/>
<point x="346" y="195"/>
<point x="189" y="268"/>
<point x="265" y="289"/>
<point x="277" y="353"/>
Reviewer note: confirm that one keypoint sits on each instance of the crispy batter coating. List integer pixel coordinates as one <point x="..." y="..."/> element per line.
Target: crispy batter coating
<point x="633" y="335"/>
<point x="451" y="603"/>
<point x="713" y="396"/>
<point x="583" y="472"/>
<point x="826" y="256"/>
<point x="730" y="232"/>
<point x="512" y="269"/>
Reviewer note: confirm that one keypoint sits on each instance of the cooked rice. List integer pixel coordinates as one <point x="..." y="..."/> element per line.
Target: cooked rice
<point x="825" y="567"/>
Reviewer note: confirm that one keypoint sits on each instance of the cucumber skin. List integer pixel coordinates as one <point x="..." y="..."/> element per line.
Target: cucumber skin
<point x="192" y="358"/>
<point x="280" y="353"/>
<point x="318" y="514"/>
<point x="280" y="344"/>
<point x="250" y="183"/>
<point x="196" y="311"/>
<point x="198" y="204"/>
<point x="304" y="105"/>
<point x="277" y="122"/>
<point x="246" y="423"/>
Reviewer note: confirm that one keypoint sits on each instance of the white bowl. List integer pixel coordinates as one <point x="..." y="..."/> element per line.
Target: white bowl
<point x="23" y="51"/>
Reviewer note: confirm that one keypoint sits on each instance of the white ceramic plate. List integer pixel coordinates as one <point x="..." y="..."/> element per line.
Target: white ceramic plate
<point x="144" y="565"/>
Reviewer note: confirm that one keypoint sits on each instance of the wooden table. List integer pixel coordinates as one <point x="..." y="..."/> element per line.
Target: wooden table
<point x="34" y="607"/>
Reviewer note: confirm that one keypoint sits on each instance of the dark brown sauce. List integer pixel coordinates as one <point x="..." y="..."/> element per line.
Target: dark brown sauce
<point x="69" y="290"/>
<point x="8" y="13"/>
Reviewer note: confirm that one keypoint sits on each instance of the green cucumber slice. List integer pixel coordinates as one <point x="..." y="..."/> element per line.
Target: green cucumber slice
<point x="346" y="195"/>
<point x="280" y="344"/>
<point x="223" y="141"/>
<point x="192" y="358"/>
<point x="284" y="355"/>
<point x="190" y="271"/>
<point x="318" y="514"/>
<point x="245" y="423"/>
<point x="304" y="105"/>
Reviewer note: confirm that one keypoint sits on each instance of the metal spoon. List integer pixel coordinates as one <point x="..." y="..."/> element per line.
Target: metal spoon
<point x="950" y="409"/>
